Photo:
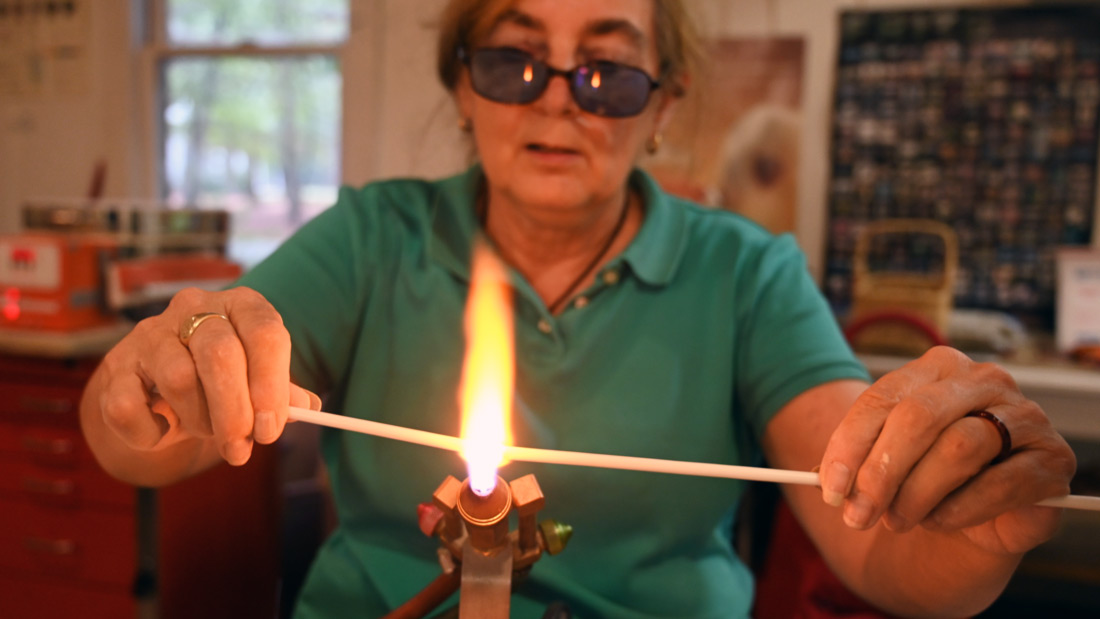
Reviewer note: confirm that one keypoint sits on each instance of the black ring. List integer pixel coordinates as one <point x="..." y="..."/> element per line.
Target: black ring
<point x="1002" y="429"/>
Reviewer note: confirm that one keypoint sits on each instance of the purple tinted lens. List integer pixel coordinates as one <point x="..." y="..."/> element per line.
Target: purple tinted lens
<point x="610" y="89"/>
<point x="507" y="76"/>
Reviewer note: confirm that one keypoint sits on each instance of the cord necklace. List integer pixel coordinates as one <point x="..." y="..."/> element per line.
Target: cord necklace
<point x="554" y="305"/>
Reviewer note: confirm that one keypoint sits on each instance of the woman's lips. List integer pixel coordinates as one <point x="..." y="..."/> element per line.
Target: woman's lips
<point x="539" y="147"/>
<point x="552" y="154"/>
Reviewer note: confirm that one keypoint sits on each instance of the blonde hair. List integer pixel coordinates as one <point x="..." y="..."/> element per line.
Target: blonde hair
<point x="465" y="22"/>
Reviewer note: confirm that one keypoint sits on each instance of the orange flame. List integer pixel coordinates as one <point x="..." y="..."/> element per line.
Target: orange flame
<point x="528" y="73"/>
<point x="488" y="372"/>
<point x="596" y="81"/>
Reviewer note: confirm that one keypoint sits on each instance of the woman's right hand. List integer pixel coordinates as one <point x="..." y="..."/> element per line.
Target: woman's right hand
<point x="229" y="386"/>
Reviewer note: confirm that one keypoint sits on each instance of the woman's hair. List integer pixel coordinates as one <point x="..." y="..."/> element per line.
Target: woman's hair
<point x="465" y="22"/>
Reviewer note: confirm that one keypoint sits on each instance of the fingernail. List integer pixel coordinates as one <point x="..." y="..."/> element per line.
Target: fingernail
<point x="314" y="401"/>
<point x="858" y="512"/>
<point x="263" y="428"/>
<point x="835" y="485"/>
<point x="237" y="452"/>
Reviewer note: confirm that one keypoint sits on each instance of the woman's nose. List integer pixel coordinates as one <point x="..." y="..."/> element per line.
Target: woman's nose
<point x="558" y="97"/>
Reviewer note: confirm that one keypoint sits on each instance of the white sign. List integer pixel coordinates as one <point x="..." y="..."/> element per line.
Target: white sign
<point x="1078" y="317"/>
<point x="30" y="263"/>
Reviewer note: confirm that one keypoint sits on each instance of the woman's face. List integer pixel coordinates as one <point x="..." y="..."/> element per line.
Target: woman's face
<point x="550" y="154"/>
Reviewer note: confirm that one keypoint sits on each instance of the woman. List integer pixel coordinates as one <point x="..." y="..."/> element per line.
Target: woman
<point x="644" y="326"/>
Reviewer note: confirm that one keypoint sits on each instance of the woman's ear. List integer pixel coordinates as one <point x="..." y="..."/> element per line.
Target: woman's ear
<point x="670" y="98"/>
<point x="464" y="99"/>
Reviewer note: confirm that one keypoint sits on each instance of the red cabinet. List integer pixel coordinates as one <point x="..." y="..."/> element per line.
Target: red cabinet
<point x="75" y="542"/>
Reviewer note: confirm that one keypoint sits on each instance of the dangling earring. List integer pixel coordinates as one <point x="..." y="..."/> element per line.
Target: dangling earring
<point x="653" y="144"/>
<point x="465" y="124"/>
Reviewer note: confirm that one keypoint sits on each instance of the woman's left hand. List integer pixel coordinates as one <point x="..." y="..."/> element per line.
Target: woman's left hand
<point x="908" y="453"/>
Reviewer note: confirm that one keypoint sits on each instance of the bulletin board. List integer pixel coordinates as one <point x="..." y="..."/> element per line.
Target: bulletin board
<point x="985" y="119"/>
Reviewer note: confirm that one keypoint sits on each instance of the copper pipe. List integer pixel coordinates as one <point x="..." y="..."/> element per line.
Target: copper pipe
<point x="429" y="598"/>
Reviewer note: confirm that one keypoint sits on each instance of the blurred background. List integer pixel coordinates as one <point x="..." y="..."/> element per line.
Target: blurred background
<point x="937" y="164"/>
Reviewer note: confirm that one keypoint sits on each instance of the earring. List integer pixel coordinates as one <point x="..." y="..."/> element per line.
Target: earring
<point x="653" y="144"/>
<point x="465" y="124"/>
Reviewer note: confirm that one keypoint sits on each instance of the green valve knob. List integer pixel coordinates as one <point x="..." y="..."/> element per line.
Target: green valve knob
<point x="556" y="534"/>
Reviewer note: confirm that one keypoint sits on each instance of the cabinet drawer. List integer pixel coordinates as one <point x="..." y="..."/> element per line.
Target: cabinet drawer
<point x="72" y="372"/>
<point x="48" y="446"/>
<point x="82" y="486"/>
<point x="36" y="403"/>
<point x="86" y="546"/>
<point x="25" y="598"/>
<point x="53" y="466"/>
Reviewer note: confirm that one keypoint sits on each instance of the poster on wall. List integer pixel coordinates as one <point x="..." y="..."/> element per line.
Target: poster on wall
<point x="984" y="119"/>
<point x="733" y="141"/>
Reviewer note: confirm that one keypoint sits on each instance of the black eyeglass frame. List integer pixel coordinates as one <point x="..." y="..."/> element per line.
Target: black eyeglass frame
<point x="466" y="57"/>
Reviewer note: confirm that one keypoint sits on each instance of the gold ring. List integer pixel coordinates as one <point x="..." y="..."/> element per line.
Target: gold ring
<point x="187" y="329"/>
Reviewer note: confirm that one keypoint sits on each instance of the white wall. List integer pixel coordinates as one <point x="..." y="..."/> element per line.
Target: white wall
<point x="398" y="120"/>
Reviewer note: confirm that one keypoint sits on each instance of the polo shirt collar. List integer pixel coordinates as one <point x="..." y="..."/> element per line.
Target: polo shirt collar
<point x="454" y="221"/>
<point x="653" y="255"/>
<point x="657" y="249"/>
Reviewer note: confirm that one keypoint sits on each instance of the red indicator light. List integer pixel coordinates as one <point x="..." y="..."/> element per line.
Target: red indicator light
<point x="11" y="304"/>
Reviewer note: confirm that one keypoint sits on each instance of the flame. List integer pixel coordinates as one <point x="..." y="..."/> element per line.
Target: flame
<point x="528" y="73"/>
<point x="596" y="81"/>
<point x="488" y="372"/>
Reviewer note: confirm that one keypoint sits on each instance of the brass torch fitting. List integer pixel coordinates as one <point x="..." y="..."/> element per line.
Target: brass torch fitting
<point x="555" y="534"/>
<point x="486" y="517"/>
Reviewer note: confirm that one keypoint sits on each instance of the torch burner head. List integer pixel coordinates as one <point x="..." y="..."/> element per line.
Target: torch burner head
<point x="486" y="517"/>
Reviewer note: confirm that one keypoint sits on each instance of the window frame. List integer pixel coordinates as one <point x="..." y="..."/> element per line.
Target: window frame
<point x="158" y="51"/>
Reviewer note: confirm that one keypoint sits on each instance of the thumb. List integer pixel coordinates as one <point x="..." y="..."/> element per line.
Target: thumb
<point x="304" y="398"/>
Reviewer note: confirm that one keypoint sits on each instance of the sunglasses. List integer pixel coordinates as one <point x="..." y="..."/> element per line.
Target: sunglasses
<point x="508" y="75"/>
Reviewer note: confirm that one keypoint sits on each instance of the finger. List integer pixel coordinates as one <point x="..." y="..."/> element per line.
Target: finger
<point x="1040" y="467"/>
<point x="907" y="435"/>
<point x="855" y="435"/>
<point x="960" y="452"/>
<point x="171" y="373"/>
<point x="221" y="366"/>
<point x="853" y="438"/>
<point x="998" y="493"/>
<point x="267" y="349"/>
<point x="124" y="404"/>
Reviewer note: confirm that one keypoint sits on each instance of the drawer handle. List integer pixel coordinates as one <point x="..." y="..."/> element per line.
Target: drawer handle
<point x="53" y="406"/>
<point x="50" y="487"/>
<point x="52" y="547"/>
<point x="49" y="446"/>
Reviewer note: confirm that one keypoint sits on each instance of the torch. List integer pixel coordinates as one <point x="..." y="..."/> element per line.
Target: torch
<point x="479" y="552"/>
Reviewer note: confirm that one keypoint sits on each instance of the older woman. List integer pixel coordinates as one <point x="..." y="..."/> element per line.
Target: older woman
<point x="644" y="325"/>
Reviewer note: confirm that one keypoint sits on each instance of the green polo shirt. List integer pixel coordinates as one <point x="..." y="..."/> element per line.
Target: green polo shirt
<point x="684" y="347"/>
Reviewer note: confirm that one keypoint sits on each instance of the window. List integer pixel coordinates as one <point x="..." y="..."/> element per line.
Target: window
<point x="249" y="111"/>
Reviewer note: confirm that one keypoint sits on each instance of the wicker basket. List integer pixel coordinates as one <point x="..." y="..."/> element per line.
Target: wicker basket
<point x="901" y="312"/>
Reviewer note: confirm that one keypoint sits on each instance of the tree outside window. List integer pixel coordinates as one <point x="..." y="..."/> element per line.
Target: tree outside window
<point x="250" y="112"/>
